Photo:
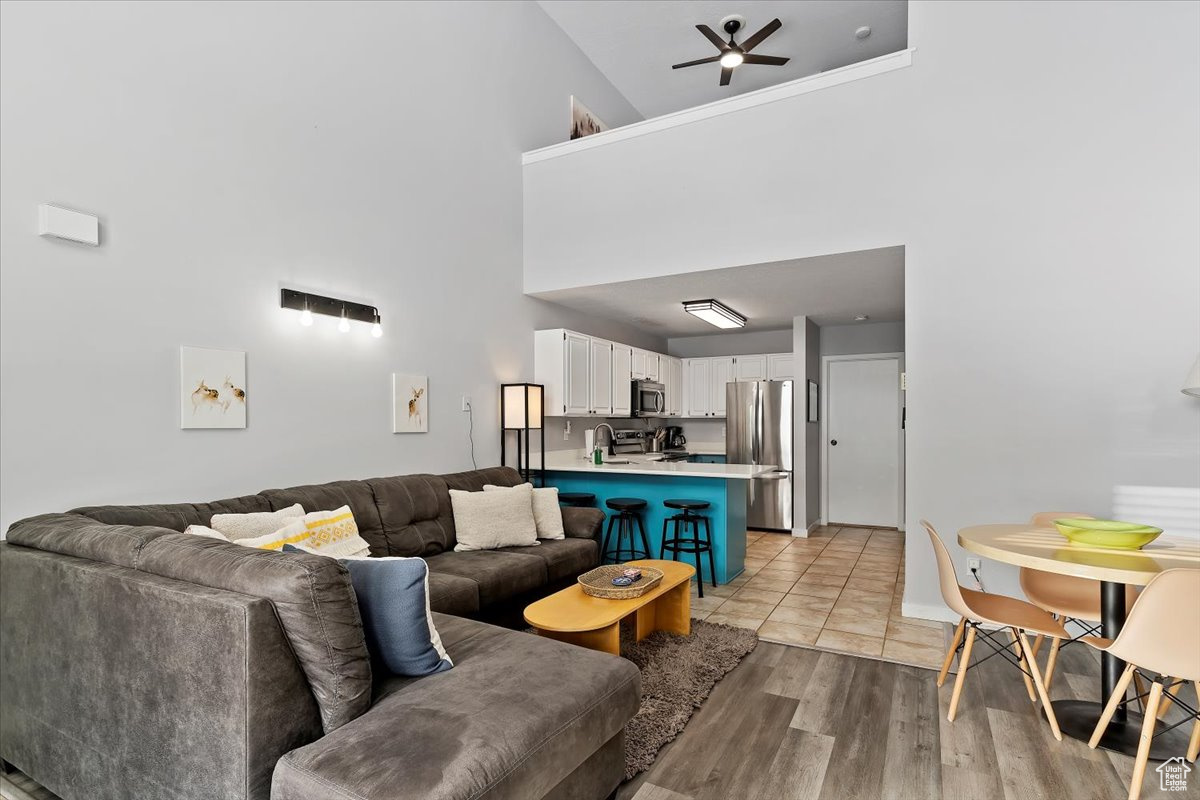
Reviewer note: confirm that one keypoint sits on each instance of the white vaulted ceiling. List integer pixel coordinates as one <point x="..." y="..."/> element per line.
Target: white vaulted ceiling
<point x="635" y="43"/>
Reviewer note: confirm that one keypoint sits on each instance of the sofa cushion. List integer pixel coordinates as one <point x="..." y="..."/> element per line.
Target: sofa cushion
<point x="328" y="496"/>
<point x="453" y="594"/>
<point x="415" y="513"/>
<point x="565" y="558"/>
<point x="582" y="523"/>
<point x="175" y="516"/>
<point x="498" y="575"/>
<point x="312" y="596"/>
<point x="490" y="728"/>
<point x="474" y="480"/>
<point x="83" y="537"/>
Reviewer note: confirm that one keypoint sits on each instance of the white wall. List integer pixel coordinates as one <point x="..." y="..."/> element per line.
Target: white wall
<point x="866" y="337"/>
<point x="806" y="344"/>
<point x="230" y="148"/>
<point x="1045" y="188"/>
<point x="731" y="344"/>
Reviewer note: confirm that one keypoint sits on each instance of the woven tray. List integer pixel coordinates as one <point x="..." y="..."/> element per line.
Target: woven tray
<point x="598" y="582"/>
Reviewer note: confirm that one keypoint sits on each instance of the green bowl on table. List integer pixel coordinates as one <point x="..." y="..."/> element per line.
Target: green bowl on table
<point x="1107" y="533"/>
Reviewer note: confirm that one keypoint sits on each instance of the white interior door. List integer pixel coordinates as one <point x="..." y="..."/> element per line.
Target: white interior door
<point x="862" y="446"/>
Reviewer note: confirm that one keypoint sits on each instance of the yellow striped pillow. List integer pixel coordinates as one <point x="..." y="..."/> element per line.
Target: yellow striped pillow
<point x="327" y="533"/>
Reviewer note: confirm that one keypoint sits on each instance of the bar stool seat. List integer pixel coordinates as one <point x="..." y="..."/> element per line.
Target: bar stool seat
<point x="679" y="542"/>
<point x="577" y="498"/>
<point x="625" y="503"/>
<point x="628" y="513"/>
<point x="687" y="505"/>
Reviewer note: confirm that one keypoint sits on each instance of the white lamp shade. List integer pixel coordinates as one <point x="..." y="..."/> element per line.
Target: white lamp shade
<point x="517" y="412"/>
<point x="1192" y="384"/>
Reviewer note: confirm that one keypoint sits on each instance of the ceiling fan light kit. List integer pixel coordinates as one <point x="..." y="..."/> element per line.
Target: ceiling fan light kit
<point x="733" y="54"/>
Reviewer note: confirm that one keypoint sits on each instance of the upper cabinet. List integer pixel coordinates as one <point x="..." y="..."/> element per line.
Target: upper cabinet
<point x="779" y="367"/>
<point x="586" y="375"/>
<point x="751" y="368"/>
<point x="622" y="359"/>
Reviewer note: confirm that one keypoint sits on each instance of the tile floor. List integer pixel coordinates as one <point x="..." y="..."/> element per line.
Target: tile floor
<point x="838" y="590"/>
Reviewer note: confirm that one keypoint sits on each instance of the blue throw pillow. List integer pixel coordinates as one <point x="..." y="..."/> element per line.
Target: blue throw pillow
<point x="393" y="599"/>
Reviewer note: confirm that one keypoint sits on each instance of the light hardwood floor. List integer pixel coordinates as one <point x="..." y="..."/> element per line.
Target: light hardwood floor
<point x="798" y="724"/>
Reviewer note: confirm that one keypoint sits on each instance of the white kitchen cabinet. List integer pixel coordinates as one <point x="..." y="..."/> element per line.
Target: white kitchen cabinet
<point x="653" y="372"/>
<point x="751" y="368"/>
<point x="637" y="367"/>
<point x="697" y="373"/>
<point x="780" y="367"/>
<point x="674" y="373"/>
<point x="622" y="361"/>
<point x="721" y="374"/>
<point x="600" y="380"/>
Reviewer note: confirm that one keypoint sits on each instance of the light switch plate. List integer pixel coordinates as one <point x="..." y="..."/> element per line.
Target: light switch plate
<point x="63" y="223"/>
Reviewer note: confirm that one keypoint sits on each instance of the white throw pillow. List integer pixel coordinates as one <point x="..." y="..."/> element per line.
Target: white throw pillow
<point x="547" y="513"/>
<point x="208" y="533"/>
<point x="256" y="524"/>
<point x="487" y="520"/>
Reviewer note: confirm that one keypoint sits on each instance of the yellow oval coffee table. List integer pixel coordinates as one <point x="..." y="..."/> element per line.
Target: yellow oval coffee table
<point x="572" y="616"/>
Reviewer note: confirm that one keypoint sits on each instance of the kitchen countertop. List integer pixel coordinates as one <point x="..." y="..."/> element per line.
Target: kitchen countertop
<point x="572" y="461"/>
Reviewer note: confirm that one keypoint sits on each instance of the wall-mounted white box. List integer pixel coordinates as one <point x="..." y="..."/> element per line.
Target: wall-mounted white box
<point x="64" y="223"/>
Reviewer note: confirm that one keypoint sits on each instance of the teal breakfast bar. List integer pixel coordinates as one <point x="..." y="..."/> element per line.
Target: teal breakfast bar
<point x="723" y="486"/>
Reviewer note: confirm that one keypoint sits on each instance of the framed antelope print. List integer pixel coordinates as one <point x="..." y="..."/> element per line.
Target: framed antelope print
<point x="212" y="388"/>
<point x="410" y="403"/>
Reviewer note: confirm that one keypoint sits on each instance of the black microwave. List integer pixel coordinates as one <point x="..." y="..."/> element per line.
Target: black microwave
<point x="649" y="399"/>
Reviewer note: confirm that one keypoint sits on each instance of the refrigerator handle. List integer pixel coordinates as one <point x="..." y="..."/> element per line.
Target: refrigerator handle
<point x="756" y="415"/>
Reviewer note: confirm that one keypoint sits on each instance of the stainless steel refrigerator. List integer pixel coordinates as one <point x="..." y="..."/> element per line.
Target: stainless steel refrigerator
<point x="758" y="430"/>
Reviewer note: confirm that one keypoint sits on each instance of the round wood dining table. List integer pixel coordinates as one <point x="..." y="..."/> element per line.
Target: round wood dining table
<point x="1046" y="549"/>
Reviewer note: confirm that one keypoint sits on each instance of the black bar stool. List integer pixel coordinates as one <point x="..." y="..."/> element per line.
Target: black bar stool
<point x="628" y="511"/>
<point x="679" y="542"/>
<point x="578" y="499"/>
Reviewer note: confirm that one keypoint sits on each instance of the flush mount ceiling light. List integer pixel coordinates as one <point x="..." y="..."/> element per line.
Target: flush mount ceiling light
<point x="715" y="313"/>
<point x="861" y="318"/>
<point x="734" y="54"/>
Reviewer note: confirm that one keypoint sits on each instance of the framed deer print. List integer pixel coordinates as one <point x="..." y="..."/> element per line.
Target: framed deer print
<point x="410" y="403"/>
<point x="212" y="388"/>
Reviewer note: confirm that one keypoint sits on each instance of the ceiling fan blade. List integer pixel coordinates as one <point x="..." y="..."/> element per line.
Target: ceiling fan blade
<point x="750" y="58"/>
<point x="757" y="39"/>
<point x="712" y="36"/>
<point x="697" y="61"/>
<point x="726" y="74"/>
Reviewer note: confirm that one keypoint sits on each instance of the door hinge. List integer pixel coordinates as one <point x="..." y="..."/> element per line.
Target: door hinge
<point x="903" y="381"/>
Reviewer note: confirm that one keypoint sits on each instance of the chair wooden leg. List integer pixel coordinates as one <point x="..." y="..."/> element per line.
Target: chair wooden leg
<point x="958" y="634"/>
<point x="1139" y="689"/>
<point x="1168" y="696"/>
<point x="1052" y="661"/>
<point x="1037" y="681"/>
<point x="1037" y="644"/>
<point x="1194" y="743"/>
<point x="1143" y="753"/>
<point x="963" y="662"/>
<point x="1111" y="708"/>
<point x="1025" y="672"/>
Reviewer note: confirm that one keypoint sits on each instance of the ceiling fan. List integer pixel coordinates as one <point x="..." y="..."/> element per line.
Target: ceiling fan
<point x="734" y="54"/>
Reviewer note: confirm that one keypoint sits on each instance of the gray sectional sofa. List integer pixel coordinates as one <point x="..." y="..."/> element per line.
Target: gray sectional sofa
<point x="137" y="661"/>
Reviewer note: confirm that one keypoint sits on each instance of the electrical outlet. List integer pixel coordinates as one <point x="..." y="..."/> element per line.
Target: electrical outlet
<point x="566" y="430"/>
<point x="973" y="564"/>
<point x="466" y="402"/>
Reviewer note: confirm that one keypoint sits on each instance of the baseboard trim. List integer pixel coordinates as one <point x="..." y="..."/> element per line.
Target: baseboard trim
<point x="938" y="613"/>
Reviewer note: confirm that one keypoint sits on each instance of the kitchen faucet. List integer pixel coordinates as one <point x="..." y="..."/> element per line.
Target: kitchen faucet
<point x="612" y="436"/>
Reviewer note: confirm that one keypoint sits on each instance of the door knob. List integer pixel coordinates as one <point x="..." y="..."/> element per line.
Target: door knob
<point x="833" y="442"/>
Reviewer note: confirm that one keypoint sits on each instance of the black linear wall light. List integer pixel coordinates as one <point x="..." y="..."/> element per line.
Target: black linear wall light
<point x="345" y="310"/>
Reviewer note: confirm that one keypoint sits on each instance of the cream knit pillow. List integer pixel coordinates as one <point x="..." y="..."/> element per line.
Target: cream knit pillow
<point x="256" y="524"/>
<point x="487" y="520"/>
<point x="547" y="514"/>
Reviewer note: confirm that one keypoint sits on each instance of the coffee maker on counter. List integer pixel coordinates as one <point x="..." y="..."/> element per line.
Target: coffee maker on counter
<point x="675" y="439"/>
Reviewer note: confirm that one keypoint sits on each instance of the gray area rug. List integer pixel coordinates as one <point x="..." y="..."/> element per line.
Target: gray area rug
<point x="678" y="672"/>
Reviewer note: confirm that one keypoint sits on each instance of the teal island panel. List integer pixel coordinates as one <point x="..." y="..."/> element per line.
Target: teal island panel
<point x="726" y="513"/>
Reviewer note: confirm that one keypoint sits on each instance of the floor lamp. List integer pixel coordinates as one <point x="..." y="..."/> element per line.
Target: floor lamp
<point x="522" y="410"/>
